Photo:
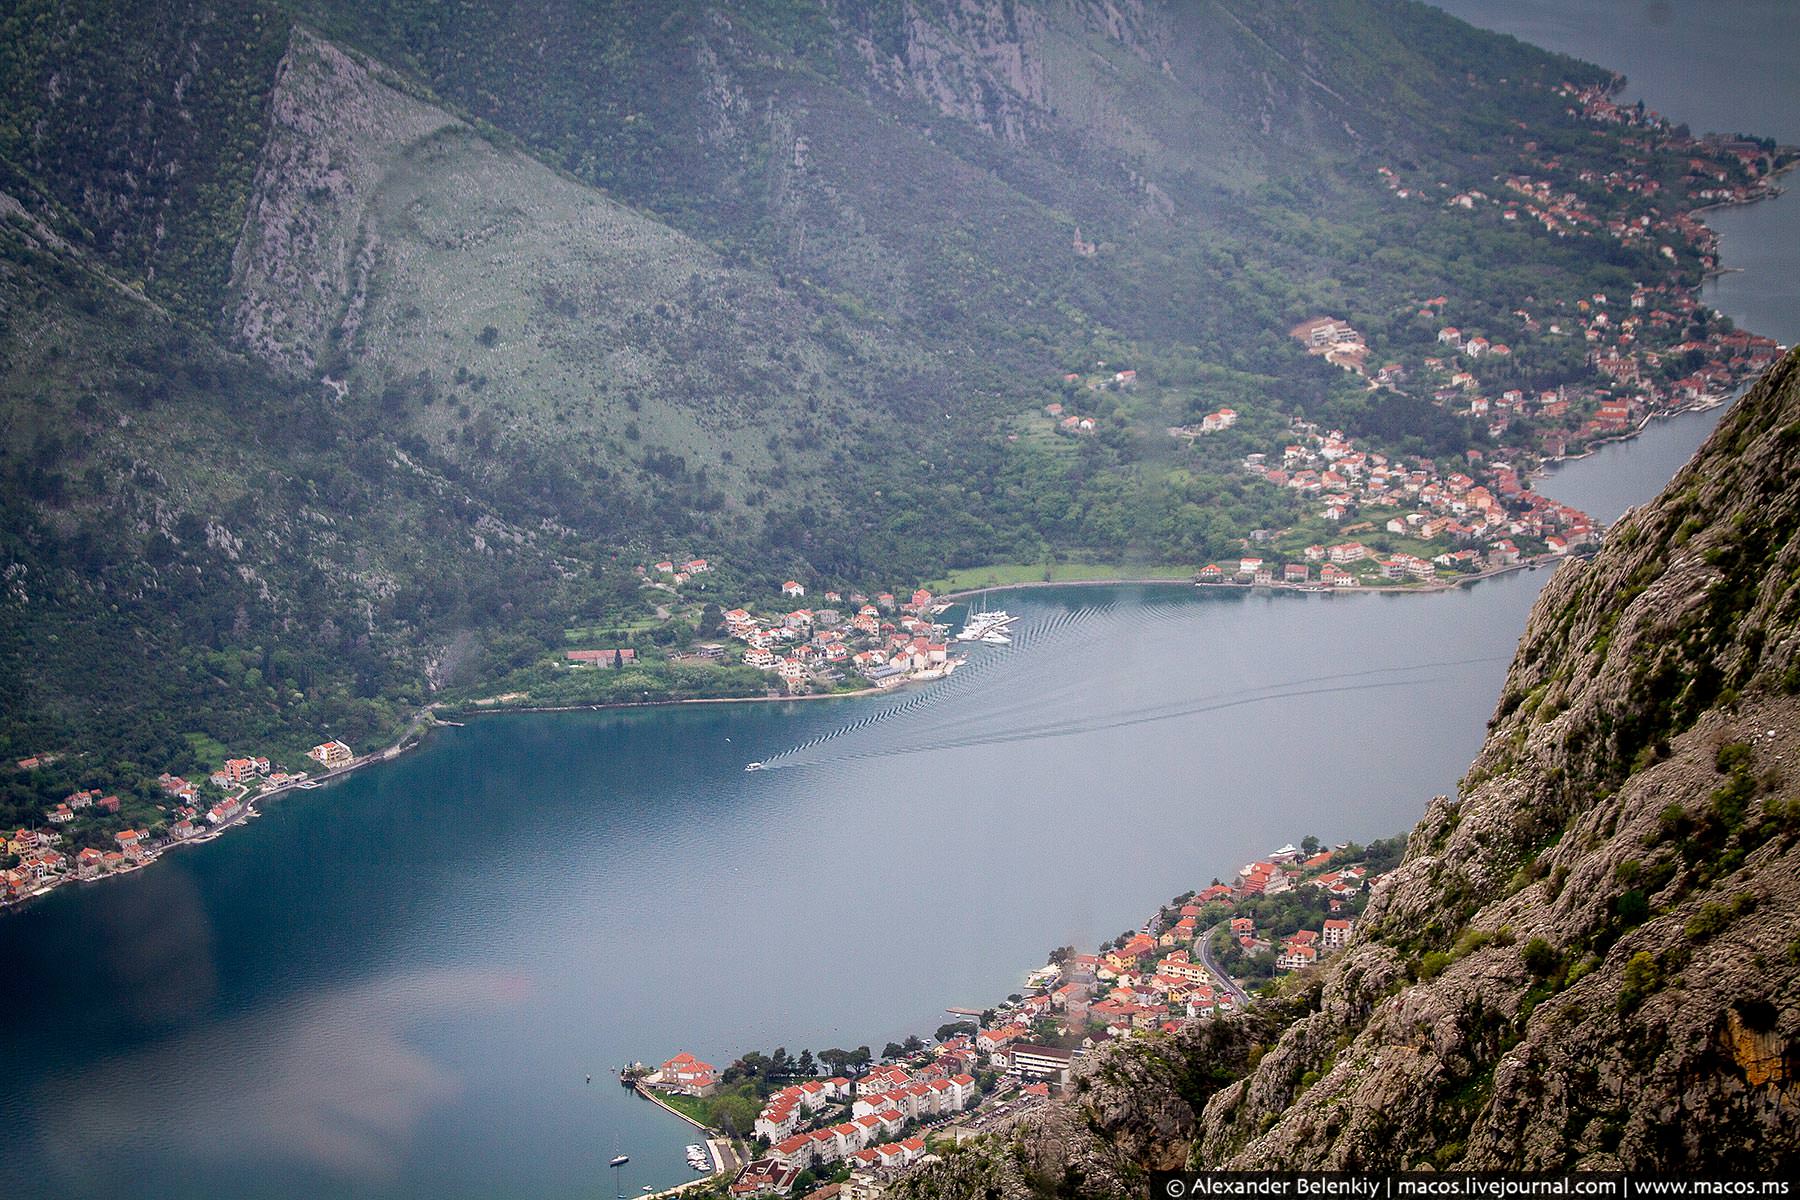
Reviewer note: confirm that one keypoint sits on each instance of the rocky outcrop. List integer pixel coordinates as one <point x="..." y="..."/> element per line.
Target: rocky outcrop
<point x="990" y="64"/>
<point x="1591" y="957"/>
<point x="300" y="272"/>
<point x="980" y="63"/>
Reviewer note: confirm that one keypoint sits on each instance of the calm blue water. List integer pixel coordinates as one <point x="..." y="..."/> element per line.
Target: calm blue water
<point x="394" y="986"/>
<point x="1761" y="243"/>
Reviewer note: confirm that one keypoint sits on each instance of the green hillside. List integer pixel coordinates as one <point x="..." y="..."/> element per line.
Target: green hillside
<point x="353" y="352"/>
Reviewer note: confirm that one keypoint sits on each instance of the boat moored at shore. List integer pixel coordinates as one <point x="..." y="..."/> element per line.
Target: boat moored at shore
<point x="987" y="627"/>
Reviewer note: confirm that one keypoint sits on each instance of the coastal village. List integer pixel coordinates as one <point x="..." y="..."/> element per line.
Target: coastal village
<point x="820" y="1135"/>
<point x="1376" y="519"/>
<point x="852" y="642"/>
<point x="1480" y="512"/>
<point x="881" y="639"/>
<point x="1439" y="525"/>
<point x="89" y="836"/>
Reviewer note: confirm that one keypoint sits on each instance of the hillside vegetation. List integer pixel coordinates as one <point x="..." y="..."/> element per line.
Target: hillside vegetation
<point x="352" y="352"/>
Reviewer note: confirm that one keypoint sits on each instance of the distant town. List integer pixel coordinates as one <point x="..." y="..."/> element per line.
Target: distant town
<point x="884" y="640"/>
<point x="88" y="836"/>
<point x="848" y="1122"/>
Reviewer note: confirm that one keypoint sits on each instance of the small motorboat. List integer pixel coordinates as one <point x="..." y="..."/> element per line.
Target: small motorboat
<point x="755" y="766"/>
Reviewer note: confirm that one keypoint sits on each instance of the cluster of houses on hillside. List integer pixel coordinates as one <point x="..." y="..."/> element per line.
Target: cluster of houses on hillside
<point x="1630" y="342"/>
<point x="1718" y="170"/>
<point x="1154" y="980"/>
<point x="1630" y="337"/>
<point x="1158" y="977"/>
<point x="1101" y="378"/>
<point x="1655" y="346"/>
<point x="43" y="862"/>
<point x="1289" y="870"/>
<point x="883" y="640"/>
<point x="1474" y="513"/>
<point x="867" y="1124"/>
<point x="1068" y="422"/>
<point x="880" y="1106"/>
<point x="679" y="573"/>
<point x="186" y="812"/>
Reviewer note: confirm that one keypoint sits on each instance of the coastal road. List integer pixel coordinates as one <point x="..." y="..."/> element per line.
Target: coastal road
<point x="1204" y="945"/>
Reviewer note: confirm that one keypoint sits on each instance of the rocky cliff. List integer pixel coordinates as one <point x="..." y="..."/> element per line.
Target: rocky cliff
<point x="299" y="274"/>
<point x="1588" y="959"/>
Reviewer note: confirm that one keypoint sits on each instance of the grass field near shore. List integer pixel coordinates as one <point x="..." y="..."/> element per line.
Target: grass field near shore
<point x="1076" y="571"/>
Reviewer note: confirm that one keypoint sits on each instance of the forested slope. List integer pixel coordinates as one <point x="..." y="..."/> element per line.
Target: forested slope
<point x="449" y="314"/>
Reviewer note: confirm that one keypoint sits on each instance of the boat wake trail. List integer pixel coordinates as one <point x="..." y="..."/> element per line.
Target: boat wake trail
<point x="981" y="664"/>
<point x="995" y="726"/>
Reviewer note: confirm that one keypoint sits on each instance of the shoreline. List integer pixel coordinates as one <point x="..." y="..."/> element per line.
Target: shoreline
<point x="606" y="705"/>
<point x="251" y="805"/>
<point x="251" y="810"/>
<point x="1026" y="585"/>
<point x="1773" y="193"/>
<point x="1436" y="585"/>
<point x="405" y="746"/>
<point x="1704" y="404"/>
<point x="1423" y="588"/>
<point x="653" y="1098"/>
<point x="708" y="1134"/>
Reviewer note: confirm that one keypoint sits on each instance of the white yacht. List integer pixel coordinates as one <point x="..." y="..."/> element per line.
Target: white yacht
<point x="980" y="625"/>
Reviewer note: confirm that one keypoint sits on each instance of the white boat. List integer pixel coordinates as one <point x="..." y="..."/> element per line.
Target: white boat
<point x="755" y="766"/>
<point x="980" y="625"/>
<point x="996" y="638"/>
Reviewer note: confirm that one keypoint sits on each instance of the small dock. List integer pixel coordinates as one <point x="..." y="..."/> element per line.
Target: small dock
<point x="725" y="1158"/>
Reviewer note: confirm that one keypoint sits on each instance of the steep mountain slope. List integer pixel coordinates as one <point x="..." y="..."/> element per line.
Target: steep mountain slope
<point x="935" y="161"/>
<point x="493" y="307"/>
<point x="1587" y="959"/>
<point x="194" y="546"/>
<point x="135" y="128"/>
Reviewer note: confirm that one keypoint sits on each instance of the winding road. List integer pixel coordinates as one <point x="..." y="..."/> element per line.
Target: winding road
<point x="1204" y="944"/>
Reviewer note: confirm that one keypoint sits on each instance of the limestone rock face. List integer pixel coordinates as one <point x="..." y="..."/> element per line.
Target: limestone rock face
<point x="302" y="264"/>
<point x="1591" y="957"/>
